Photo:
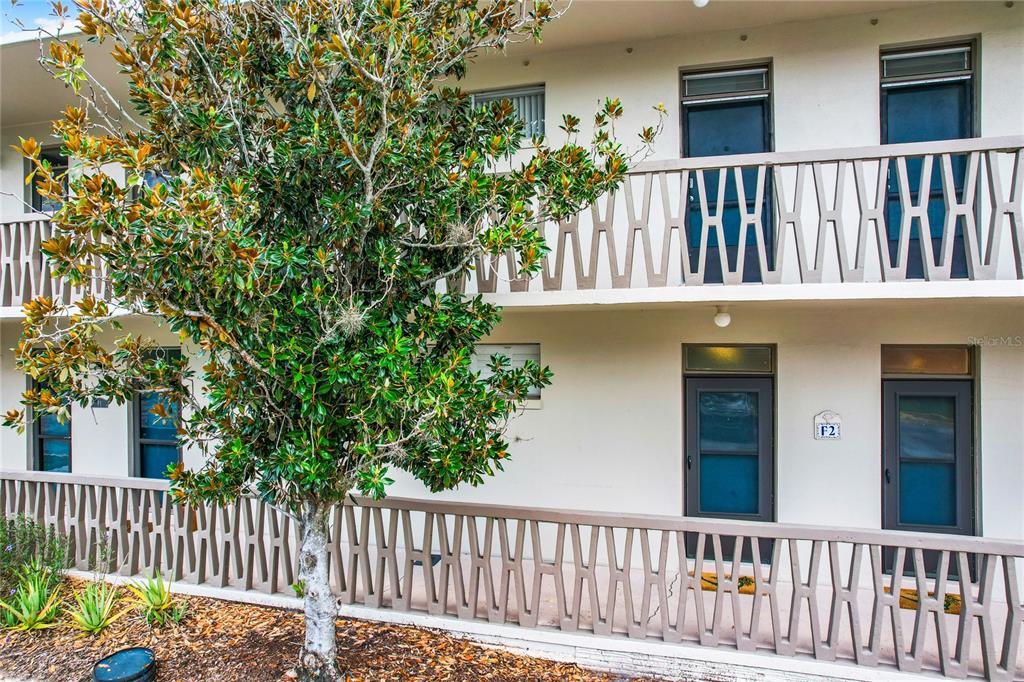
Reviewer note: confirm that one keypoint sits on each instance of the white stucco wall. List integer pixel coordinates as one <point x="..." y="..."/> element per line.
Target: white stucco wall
<point x="608" y="435"/>
<point x="825" y="73"/>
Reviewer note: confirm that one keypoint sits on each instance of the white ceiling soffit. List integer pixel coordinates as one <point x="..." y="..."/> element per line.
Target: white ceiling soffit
<point x="28" y="95"/>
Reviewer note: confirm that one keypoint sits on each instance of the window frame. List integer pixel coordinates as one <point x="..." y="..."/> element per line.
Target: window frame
<point x="30" y="189"/>
<point x="972" y="361"/>
<point x="531" y="402"/>
<point x="764" y="386"/>
<point x="512" y="91"/>
<point x="722" y="68"/>
<point x="725" y="377"/>
<point x="973" y="377"/>
<point x="135" y="426"/>
<point x="36" y="438"/>
<point x="888" y="83"/>
<point x="770" y="372"/>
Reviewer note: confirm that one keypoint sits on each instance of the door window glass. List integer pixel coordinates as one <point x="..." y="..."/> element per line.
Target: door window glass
<point x="728" y="421"/>
<point x="728" y="452"/>
<point x="927" y="454"/>
<point x="728" y="484"/>
<point x="52" y="440"/>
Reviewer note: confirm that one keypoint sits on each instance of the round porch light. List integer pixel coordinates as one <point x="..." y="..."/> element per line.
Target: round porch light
<point x="700" y="3"/>
<point x="722" y="316"/>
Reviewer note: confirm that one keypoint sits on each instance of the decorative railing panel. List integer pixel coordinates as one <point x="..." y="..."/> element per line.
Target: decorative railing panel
<point x="934" y="210"/>
<point x="833" y="594"/>
<point x="24" y="271"/>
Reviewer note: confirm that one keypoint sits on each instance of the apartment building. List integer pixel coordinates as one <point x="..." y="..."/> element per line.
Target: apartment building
<point x="805" y="307"/>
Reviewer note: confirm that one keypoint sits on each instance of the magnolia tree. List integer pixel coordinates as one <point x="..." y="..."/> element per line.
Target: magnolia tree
<point x="287" y="189"/>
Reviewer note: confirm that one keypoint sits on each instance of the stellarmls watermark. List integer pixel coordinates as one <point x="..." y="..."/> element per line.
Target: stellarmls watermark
<point x="991" y="340"/>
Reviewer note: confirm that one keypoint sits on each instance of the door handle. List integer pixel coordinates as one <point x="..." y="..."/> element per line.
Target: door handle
<point x="888" y="477"/>
<point x="689" y="462"/>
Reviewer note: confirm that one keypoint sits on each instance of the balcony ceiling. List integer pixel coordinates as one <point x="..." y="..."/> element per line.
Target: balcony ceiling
<point x="28" y="95"/>
<point x="590" y="22"/>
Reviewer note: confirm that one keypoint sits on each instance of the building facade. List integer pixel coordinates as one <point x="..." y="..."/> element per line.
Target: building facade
<point x="805" y="307"/>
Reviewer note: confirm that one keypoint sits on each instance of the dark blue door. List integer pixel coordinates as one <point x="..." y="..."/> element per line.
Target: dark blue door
<point x="927" y="110"/>
<point x="729" y="442"/>
<point x="730" y="459"/>
<point x="716" y="129"/>
<point x="928" y="470"/>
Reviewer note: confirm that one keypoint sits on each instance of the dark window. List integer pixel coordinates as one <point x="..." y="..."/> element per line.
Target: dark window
<point x="51" y="441"/>
<point x="59" y="167"/>
<point x="151" y="179"/>
<point x="727" y="112"/>
<point x="927" y="95"/>
<point x="156" y="437"/>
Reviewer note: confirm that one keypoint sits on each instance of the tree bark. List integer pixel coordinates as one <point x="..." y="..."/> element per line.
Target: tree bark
<point x="318" y="659"/>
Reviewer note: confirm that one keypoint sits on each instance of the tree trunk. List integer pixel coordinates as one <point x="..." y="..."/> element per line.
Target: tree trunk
<point x="318" y="660"/>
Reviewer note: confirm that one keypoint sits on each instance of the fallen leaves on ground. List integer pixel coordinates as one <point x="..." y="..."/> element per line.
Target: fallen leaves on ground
<point x="232" y="642"/>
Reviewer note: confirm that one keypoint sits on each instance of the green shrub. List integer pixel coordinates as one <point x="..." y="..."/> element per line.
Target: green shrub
<point x="154" y="598"/>
<point x="35" y="602"/>
<point x="93" y="611"/>
<point x="26" y="543"/>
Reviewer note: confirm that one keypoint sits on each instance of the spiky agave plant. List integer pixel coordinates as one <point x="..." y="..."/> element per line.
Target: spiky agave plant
<point x="93" y="611"/>
<point x="34" y="604"/>
<point x="153" y="596"/>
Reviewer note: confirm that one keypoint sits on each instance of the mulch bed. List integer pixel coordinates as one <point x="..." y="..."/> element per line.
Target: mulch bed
<point x="228" y="641"/>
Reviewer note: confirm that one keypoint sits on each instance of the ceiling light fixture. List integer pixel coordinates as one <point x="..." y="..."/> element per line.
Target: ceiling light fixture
<point x="722" y="316"/>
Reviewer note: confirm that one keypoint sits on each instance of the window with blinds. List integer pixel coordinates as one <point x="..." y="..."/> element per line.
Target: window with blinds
<point x="155" y="438"/>
<point x="528" y="103"/>
<point x="59" y="165"/>
<point x="50" y="447"/>
<point x="517" y="353"/>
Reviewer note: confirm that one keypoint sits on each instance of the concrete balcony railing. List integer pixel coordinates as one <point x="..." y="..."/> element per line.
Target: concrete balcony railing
<point x="890" y="600"/>
<point x="950" y="210"/>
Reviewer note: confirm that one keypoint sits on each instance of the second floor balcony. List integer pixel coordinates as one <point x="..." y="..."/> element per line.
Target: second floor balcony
<point x="928" y="220"/>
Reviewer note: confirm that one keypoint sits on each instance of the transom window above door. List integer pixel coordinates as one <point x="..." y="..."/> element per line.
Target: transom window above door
<point x="953" y="62"/>
<point x="740" y="82"/>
